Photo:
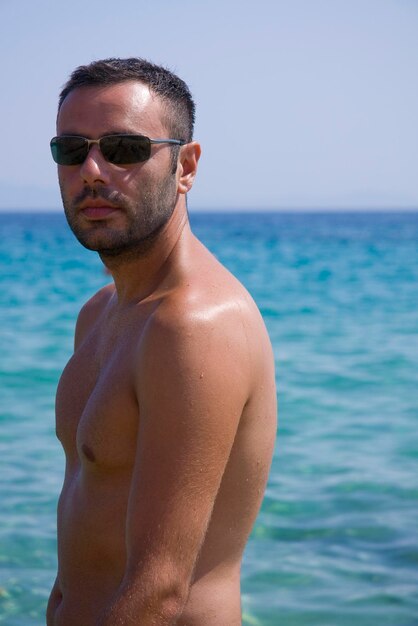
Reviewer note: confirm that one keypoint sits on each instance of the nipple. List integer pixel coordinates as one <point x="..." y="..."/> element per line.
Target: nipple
<point x="88" y="453"/>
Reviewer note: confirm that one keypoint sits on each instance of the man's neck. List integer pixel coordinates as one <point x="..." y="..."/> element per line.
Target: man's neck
<point x="136" y="277"/>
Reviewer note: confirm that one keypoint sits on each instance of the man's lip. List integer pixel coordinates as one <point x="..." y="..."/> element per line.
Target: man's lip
<point x="97" y="209"/>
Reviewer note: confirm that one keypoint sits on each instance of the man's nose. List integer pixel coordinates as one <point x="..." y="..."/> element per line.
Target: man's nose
<point x="94" y="168"/>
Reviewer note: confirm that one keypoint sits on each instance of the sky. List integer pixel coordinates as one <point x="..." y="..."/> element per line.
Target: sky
<point x="301" y="104"/>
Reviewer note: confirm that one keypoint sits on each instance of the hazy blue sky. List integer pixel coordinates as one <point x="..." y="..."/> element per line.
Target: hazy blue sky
<point x="300" y="103"/>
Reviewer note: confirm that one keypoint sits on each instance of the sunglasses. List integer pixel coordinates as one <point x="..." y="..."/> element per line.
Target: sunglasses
<point x="121" y="149"/>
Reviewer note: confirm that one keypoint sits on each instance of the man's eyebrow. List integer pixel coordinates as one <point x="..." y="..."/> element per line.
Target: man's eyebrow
<point x="121" y="132"/>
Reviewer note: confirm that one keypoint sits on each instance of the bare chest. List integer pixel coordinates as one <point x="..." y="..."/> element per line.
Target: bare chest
<point x="96" y="407"/>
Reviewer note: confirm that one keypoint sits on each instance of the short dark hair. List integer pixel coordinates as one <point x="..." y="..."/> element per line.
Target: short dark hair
<point x="175" y="94"/>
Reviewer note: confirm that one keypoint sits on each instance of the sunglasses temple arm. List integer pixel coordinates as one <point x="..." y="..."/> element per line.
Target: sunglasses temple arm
<point x="178" y="142"/>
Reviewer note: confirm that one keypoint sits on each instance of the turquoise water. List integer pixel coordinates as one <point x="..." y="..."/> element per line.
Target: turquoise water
<point x="336" y="542"/>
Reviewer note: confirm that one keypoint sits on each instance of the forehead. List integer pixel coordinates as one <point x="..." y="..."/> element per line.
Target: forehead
<point x="125" y="107"/>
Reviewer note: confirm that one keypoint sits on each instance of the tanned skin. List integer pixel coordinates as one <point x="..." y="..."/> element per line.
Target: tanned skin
<point x="167" y="409"/>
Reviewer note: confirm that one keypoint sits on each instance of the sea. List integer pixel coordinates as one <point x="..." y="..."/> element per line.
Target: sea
<point x="336" y="540"/>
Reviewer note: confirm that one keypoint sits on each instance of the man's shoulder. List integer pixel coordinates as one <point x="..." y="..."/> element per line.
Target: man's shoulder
<point x="205" y="335"/>
<point x="209" y="305"/>
<point x="202" y="301"/>
<point x="191" y="342"/>
<point x="91" y="311"/>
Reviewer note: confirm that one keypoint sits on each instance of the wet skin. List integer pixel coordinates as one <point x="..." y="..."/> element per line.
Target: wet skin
<point x="166" y="411"/>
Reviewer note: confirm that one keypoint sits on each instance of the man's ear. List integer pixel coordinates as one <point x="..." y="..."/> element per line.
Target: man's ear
<point x="187" y="166"/>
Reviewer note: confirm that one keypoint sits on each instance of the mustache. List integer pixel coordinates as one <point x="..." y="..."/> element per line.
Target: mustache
<point x="114" y="197"/>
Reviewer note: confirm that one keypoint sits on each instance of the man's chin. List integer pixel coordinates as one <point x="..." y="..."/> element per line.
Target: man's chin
<point x="112" y="243"/>
<point x="118" y="249"/>
<point x="128" y="251"/>
<point x="99" y="239"/>
<point x="91" y="243"/>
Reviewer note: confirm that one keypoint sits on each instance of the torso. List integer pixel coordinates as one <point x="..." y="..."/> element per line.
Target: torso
<point x="98" y="416"/>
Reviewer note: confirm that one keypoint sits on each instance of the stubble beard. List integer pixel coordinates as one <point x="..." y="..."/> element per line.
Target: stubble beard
<point x="145" y="219"/>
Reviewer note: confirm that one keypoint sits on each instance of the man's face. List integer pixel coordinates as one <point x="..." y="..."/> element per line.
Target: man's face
<point x="116" y="209"/>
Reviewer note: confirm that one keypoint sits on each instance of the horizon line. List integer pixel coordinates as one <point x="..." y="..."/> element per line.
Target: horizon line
<point x="237" y="210"/>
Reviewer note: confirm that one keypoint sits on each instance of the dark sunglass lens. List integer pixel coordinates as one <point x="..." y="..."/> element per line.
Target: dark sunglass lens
<point x="123" y="150"/>
<point x="69" y="150"/>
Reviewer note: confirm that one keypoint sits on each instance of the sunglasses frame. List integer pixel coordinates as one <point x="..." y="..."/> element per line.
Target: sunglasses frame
<point x="90" y="142"/>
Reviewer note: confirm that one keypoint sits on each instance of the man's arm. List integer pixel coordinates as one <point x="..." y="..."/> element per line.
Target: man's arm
<point x="55" y="598"/>
<point x="192" y="383"/>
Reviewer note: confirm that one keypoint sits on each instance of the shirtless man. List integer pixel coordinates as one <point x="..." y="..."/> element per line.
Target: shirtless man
<point x="167" y="409"/>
